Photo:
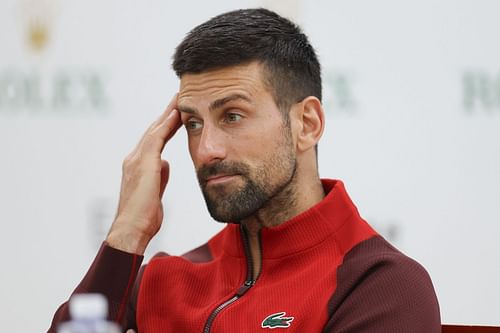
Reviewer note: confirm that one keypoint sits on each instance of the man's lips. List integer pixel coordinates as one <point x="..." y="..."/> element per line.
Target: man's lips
<point x="217" y="179"/>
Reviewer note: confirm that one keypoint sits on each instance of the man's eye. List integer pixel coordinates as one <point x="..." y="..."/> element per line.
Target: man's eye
<point x="193" y="124"/>
<point x="233" y="117"/>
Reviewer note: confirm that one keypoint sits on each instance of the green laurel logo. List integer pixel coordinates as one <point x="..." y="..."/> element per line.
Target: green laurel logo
<point x="277" y="320"/>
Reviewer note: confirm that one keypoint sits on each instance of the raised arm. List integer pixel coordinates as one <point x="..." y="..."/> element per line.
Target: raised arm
<point x="139" y="217"/>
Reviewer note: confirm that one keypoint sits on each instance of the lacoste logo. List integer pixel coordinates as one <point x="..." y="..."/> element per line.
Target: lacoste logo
<point x="277" y="320"/>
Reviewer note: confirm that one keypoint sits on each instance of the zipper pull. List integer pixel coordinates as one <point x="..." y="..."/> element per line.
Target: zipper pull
<point x="244" y="288"/>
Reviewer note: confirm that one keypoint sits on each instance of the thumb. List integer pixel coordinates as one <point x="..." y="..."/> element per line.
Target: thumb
<point x="165" y="172"/>
<point x="130" y="331"/>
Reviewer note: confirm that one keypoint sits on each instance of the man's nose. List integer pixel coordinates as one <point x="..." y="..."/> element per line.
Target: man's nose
<point x="212" y="145"/>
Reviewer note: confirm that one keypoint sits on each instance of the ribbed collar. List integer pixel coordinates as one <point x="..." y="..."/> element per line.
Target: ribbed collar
<point x="304" y="230"/>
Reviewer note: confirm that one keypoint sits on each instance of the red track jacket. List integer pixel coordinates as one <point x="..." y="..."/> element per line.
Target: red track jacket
<point x="325" y="270"/>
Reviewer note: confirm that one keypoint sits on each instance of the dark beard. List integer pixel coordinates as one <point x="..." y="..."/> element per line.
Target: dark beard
<point x="259" y="188"/>
<point x="239" y="204"/>
<point x="231" y="206"/>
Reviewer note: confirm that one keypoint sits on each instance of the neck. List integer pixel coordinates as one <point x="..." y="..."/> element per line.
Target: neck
<point x="295" y="198"/>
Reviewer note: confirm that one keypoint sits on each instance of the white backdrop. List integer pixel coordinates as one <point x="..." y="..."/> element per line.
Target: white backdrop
<point x="412" y="93"/>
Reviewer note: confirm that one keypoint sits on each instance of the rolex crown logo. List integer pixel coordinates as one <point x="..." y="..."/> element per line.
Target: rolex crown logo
<point x="38" y="18"/>
<point x="38" y="35"/>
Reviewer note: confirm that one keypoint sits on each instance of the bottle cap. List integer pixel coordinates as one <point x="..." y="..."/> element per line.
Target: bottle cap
<point x="88" y="306"/>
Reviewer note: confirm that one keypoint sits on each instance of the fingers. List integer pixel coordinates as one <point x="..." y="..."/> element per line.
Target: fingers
<point x="168" y="110"/>
<point x="166" y="129"/>
<point x="160" y="131"/>
<point x="165" y="170"/>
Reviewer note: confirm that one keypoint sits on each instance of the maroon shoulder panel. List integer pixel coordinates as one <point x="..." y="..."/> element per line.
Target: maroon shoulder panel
<point x="380" y="290"/>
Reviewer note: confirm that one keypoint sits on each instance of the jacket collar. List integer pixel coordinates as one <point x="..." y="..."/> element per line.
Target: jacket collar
<point x="305" y="230"/>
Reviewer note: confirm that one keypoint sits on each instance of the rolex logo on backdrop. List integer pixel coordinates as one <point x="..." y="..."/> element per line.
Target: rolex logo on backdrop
<point x="63" y="90"/>
<point x="339" y="95"/>
<point x="37" y="19"/>
<point x="39" y="85"/>
<point x="481" y="91"/>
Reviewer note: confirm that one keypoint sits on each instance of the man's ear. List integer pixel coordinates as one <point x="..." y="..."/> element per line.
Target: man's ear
<point x="311" y="121"/>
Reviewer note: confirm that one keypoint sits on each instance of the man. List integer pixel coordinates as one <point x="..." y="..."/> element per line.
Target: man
<point x="295" y="253"/>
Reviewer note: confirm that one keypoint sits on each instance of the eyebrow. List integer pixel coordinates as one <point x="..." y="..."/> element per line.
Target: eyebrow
<point x="186" y="109"/>
<point x="217" y="104"/>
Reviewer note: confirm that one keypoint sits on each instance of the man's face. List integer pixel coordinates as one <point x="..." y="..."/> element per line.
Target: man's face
<point x="240" y="143"/>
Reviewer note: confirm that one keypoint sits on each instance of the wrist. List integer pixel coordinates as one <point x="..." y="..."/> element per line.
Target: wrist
<point x="127" y="240"/>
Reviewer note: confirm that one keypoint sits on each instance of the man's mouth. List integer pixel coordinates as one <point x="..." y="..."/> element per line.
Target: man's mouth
<point x="220" y="173"/>
<point x="220" y="179"/>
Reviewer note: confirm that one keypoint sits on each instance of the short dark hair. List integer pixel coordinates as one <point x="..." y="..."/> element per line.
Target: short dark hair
<point x="292" y="69"/>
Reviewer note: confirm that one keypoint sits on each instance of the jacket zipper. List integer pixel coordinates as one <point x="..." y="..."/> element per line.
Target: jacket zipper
<point x="249" y="282"/>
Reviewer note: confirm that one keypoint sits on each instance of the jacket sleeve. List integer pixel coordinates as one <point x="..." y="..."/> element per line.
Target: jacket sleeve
<point x="113" y="273"/>
<point x="382" y="291"/>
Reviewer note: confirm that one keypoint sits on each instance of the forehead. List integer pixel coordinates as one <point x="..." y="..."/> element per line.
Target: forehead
<point x="244" y="79"/>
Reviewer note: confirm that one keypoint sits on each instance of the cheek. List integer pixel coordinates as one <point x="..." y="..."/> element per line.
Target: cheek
<point x="193" y="148"/>
<point x="259" y="148"/>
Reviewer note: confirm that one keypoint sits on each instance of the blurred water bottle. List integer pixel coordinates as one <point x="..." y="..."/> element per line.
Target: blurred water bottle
<point x="88" y="315"/>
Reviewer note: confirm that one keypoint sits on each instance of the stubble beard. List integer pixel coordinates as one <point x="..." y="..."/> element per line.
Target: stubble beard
<point x="275" y="176"/>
